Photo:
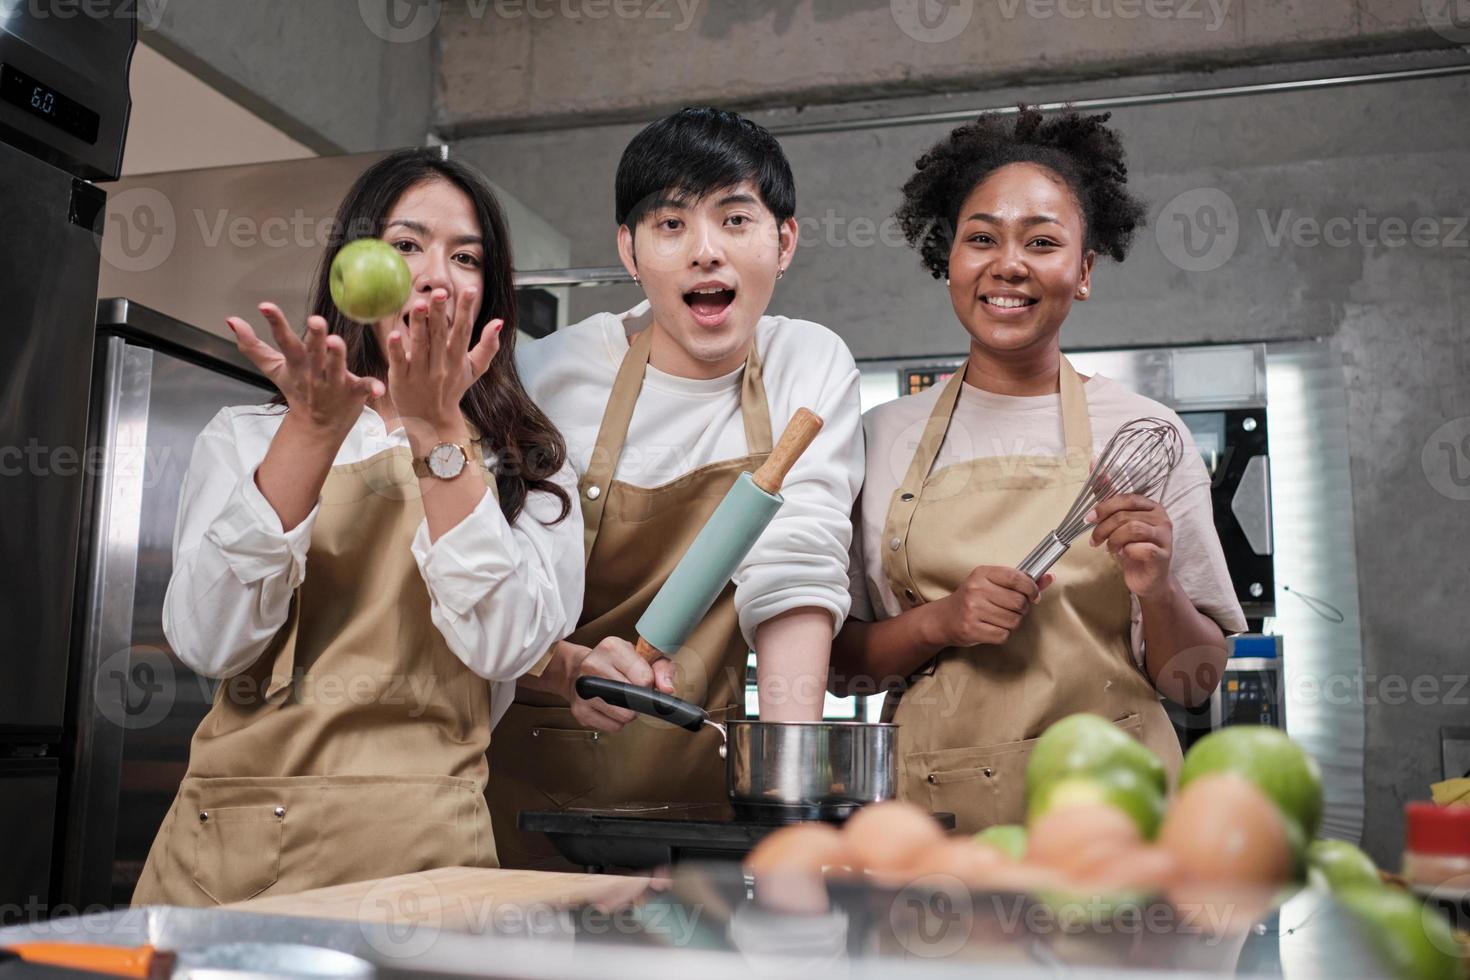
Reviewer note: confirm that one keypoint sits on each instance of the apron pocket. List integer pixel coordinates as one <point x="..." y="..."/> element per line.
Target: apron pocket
<point x="572" y="757"/>
<point x="237" y="850"/>
<point x="981" y="785"/>
<point x="549" y="758"/>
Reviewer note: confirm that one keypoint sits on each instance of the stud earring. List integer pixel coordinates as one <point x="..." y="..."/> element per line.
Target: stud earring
<point x="780" y="273"/>
<point x="1084" y="290"/>
<point x="946" y="280"/>
<point x="637" y="281"/>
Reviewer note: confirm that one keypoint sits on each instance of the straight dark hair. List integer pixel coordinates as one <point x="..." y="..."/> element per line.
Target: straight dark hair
<point x="529" y="449"/>
<point x="698" y="150"/>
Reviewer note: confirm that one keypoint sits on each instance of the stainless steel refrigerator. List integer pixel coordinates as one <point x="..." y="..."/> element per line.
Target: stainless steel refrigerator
<point x="156" y="383"/>
<point x="63" y="114"/>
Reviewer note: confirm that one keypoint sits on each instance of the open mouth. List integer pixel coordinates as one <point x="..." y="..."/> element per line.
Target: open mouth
<point x="709" y="304"/>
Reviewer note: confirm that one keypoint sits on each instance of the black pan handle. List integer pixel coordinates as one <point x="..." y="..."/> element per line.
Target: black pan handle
<point x="644" y="700"/>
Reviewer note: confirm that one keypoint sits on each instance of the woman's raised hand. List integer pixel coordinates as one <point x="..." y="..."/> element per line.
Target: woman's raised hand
<point x="431" y="368"/>
<point x="311" y="373"/>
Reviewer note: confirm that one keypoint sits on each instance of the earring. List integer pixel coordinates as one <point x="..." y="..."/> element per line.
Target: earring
<point x="637" y="281"/>
<point x="1084" y="290"/>
<point x="780" y="273"/>
<point x="946" y="280"/>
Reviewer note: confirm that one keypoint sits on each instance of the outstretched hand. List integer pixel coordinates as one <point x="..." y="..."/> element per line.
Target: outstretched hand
<point x="311" y="373"/>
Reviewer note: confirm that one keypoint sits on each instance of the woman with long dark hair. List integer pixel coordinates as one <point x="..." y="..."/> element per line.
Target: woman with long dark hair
<point x="369" y="562"/>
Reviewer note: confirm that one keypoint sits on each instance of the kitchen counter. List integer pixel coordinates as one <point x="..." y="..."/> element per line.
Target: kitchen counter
<point x="453" y="899"/>
<point x="708" y="922"/>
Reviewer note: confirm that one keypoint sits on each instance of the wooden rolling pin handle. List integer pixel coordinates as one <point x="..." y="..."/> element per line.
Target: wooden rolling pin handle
<point x="648" y="651"/>
<point x="800" y="432"/>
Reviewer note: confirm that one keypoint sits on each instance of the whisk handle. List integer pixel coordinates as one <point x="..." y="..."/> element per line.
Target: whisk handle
<point x="1043" y="556"/>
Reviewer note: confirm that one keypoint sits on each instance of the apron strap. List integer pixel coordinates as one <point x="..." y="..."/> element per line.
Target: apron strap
<point x="1076" y="427"/>
<point x="905" y="501"/>
<point x="593" y="488"/>
<point x="595" y="482"/>
<point x="755" y="411"/>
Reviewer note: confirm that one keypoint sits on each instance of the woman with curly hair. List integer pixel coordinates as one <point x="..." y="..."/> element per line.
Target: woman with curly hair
<point x="963" y="479"/>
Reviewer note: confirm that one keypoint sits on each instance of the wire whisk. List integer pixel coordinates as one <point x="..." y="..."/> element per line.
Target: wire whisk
<point x="1136" y="460"/>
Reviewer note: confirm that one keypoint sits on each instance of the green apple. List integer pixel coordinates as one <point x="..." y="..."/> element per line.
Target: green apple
<point x="369" y="280"/>
<point x="1009" y="838"/>
<point x="1124" y="789"/>
<point x="1414" y="942"/>
<point x="1089" y="743"/>
<point x="1341" y="865"/>
<point x="1268" y="758"/>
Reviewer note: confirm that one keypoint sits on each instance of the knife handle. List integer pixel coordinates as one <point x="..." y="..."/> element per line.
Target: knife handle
<point x="138" y="962"/>
<point x="800" y="432"/>
<point x="648" y="651"/>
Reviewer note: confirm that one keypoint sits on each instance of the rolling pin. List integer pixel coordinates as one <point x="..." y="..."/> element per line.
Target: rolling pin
<point x="722" y="544"/>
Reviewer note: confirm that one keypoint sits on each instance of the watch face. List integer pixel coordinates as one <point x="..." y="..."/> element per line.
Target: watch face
<point x="446" y="460"/>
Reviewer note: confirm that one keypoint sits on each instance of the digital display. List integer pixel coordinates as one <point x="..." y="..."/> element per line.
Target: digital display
<point x="20" y="89"/>
<point x="913" y="380"/>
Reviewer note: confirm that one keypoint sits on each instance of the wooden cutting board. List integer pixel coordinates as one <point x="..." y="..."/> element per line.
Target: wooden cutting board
<point x="456" y="899"/>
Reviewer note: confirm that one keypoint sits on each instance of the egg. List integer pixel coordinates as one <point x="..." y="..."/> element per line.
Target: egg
<point x="1222" y="830"/>
<point x="961" y="858"/>
<point x="1147" y="868"/>
<point x="801" y="847"/>
<point x="890" y="836"/>
<point x="1074" y="839"/>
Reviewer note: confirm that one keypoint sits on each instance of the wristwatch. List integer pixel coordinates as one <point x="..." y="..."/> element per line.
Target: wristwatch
<point x="445" y="461"/>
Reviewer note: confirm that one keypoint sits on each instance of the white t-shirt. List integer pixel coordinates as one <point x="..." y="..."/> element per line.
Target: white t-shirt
<point x="680" y="424"/>
<point x="500" y="593"/>
<point x="987" y="424"/>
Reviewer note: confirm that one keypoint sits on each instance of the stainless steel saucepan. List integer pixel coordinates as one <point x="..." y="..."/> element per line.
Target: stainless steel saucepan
<point x="815" y="769"/>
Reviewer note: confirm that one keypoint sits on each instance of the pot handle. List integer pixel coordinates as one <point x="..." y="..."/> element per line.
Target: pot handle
<point x="645" y="701"/>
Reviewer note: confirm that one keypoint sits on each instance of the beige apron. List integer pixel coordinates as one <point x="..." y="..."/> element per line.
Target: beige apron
<point x="354" y="746"/>
<point x="970" y="718"/>
<point x="542" y="759"/>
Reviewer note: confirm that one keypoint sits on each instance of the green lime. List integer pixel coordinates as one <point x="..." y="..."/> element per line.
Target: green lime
<point x="1413" y="941"/>
<point x="1268" y="758"/>
<point x="1089" y="743"/>
<point x="1341" y="865"/>
<point x="1120" y="788"/>
<point x="1009" y="838"/>
<point x="369" y="280"/>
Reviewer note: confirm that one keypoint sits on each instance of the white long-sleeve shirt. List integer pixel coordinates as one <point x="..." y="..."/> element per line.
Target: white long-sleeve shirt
<point x="500" y="593"/>
<point x="681" y="424"/>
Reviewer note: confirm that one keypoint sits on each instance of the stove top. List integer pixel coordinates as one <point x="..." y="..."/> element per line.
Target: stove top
<point x="640" y="836"/>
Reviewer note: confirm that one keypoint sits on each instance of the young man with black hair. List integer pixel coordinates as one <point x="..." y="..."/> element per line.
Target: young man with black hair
<point x="662" y="408"/>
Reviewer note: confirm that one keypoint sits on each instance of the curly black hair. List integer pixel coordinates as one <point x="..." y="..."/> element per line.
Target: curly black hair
<point x="1080" y="149"/>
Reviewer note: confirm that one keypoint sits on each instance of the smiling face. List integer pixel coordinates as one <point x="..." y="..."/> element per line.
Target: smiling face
<point x="434" y="227"/>
<point x="1018" y="261"/>
<point x="708" y="267"/>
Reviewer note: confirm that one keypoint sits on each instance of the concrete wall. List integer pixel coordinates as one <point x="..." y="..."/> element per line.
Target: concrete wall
<point x="338" y="76"/>
<point x="180" y="123"/>
<point x="1353" y="157"/>
<point x="510" y="63"/>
